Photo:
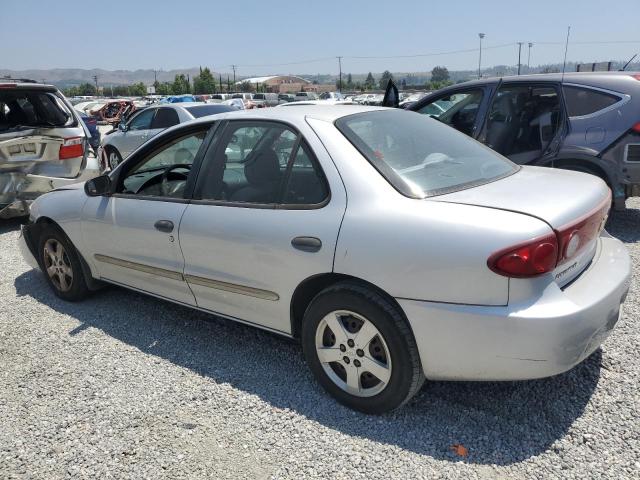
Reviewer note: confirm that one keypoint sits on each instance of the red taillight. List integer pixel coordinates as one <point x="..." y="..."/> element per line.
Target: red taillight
<point x="72" y="148"/>
<point x="637" y="77"/>
<point x="543" y="254"/>
<point x="636" y="127"/>
<point x="526" y="260"/>
<point x="574" y="237"/>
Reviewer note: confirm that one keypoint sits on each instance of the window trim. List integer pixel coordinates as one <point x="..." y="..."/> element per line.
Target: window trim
<point x="278" y="205"/>
<point x="624" y="98"/>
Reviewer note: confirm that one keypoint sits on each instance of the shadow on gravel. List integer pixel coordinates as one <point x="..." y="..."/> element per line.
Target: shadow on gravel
<point x="11" y="224"/>
<point x="499" y="423"/>
<point x="624" y="225"/>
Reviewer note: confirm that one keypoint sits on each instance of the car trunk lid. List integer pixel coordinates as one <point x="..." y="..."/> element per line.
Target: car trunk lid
<point x="575" y="206"/>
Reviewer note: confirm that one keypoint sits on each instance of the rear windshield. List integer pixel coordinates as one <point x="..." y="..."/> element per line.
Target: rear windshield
<point x="32" y="108"/>
<point x="204" y="110"/>
<point x="420" y="156"/>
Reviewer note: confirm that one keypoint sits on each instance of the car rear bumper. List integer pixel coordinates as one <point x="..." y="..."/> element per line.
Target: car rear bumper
<point x="543" y="337"/>
<point x="19" y="190"/>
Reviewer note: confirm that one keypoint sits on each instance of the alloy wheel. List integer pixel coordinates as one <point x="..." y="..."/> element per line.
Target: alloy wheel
<point x="58" y="265"/>
<point x="353" y="353"/>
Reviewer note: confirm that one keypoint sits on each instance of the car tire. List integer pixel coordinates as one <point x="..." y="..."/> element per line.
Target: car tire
<point x="61" y="265"/>
<point x="113" y="158"/>
<point x="375" y="338"/>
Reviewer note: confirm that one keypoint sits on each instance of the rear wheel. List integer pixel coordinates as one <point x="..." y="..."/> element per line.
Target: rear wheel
<point x="61" y="265"/>
<point x="360" y="349"/>
<point x="113" y="158"/>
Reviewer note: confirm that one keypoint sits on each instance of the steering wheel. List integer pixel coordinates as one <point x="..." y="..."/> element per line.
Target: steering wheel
<point x="164" y="182"/>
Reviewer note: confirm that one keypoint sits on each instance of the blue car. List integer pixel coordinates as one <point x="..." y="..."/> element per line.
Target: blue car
<point x="92" y="125"/>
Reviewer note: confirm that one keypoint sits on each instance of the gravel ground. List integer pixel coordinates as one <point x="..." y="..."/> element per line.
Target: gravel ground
<point x="126" y="386"/>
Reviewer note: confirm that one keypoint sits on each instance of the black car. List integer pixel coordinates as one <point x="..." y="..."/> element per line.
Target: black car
<point x="588" y="122"/>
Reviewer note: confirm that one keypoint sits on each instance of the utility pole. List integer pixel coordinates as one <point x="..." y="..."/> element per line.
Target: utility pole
<point x="481" y="36"/>
<point x="519" y="52"/>
<point x="529" y="58"/>
<point x="95" y="79"/>
<point x="340" y="69"/>
<point x="234" y="75"/>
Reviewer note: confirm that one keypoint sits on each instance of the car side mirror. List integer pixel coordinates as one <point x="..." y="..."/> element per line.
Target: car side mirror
<point x="98" y="186"/>
<point x="122" y="127"/>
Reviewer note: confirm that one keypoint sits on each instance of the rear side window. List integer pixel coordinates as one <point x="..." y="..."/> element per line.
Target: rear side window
<point x="165" y="118"/>
<point x="24" y="108"/>
<point x="204" y="110"/>
<point x="585" y="101"/>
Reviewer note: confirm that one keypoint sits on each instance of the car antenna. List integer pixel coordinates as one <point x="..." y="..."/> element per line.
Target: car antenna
<point x="627" y="64"/>
<point x="566" y="47"/>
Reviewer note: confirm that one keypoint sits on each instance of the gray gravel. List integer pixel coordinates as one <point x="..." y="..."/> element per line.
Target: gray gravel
<point x="126" y="386"/>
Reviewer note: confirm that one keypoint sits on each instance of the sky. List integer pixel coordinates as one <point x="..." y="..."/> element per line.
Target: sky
<point x="295" y="37"/>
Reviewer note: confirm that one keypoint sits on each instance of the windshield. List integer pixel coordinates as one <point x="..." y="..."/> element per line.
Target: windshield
<point x="420" y="156"/>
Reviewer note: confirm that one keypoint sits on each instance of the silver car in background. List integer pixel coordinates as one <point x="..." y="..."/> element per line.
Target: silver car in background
<point x="43" y="144"/>
<point x="394" y="247"/>
<point x="147" y="123"/>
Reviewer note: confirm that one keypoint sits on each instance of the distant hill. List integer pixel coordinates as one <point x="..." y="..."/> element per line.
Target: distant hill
<point x="68" y="77"/>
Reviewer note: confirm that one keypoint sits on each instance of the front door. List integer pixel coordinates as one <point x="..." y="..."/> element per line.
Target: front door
<point x="137" y="132"/>
<point x="132" y="236"/>
<point x="265" y="216"/>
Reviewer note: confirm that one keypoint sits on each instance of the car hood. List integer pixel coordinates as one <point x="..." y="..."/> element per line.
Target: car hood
<point x="555" y="196"/>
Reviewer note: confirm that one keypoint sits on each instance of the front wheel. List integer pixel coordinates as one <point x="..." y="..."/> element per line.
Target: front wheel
<point x="360" y="349"/>
<point x="113" y="158"/>
<point x="61" y="265"/>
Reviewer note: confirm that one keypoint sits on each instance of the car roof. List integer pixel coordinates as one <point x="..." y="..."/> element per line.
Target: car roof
<point x="327" y="113"/>
<point x="569" y="77"/>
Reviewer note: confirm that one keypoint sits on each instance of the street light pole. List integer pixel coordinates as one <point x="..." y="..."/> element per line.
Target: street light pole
<point x="519" y="52"/>
<point x="481" y="36"/>
<point x="529" y="58"/>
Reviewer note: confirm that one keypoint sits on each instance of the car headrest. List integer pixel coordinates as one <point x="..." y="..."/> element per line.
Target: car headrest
<point x="263" y="168"/>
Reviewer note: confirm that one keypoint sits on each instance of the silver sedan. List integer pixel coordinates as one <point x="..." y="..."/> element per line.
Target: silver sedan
<point x="392" y="246"/>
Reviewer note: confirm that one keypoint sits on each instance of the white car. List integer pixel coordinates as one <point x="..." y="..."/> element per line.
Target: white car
<point x="393" y="246"/>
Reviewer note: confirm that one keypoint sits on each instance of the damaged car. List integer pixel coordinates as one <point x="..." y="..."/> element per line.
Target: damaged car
<point x="43" y="145"/>
<point x="114" y="111"/>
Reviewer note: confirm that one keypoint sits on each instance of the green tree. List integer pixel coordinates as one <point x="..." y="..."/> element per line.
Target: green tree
<point x="246" y="87"/>
<point x="86" y="89"/>
<point x="138" y="89"/>
<point x="369" y="82"/>
<point x="439" y="74"/>
<point x="384" y="79"/>
<point x="204" y="83"/>
<point x="349" y="81"/>
<point x="163" y="88"/>
<point x="180" y="85"/>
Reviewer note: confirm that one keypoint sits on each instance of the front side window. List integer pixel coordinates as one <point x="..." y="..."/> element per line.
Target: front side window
<point x="142" y="121"/>
<point x="262" y="163"/>
<point x="585" y="101"/>
<point x="164" y="172"/>
<point x="419" y="156"/>
<point x="458" y="110"/>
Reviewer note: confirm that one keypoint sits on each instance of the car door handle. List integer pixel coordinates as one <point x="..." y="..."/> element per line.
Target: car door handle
<point x="165" y="226"/>
<point x="307" y="244"/>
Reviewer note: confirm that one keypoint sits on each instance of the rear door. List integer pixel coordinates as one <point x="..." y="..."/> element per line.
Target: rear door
<point x="265" y="216"/>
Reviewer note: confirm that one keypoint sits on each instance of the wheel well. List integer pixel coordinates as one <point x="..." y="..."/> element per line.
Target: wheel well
<point x="312" y="286"/>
